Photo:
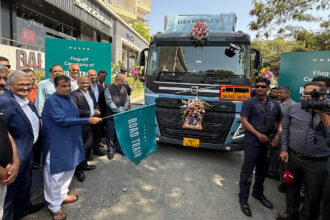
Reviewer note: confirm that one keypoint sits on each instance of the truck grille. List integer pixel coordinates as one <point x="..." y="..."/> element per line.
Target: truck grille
<point x="216" y="122"/>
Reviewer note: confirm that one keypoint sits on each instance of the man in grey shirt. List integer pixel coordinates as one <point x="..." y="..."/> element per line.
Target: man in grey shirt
<point x="304" y="147"/>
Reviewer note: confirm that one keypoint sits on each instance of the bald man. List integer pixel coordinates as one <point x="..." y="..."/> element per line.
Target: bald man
<point x="74" y="72"/>
<point x="117" y="100"/>
<point x="87" y="107"/>
<point x="98" y="129"/>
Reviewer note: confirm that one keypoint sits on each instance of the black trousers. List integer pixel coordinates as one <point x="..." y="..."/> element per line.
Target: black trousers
<point x="313" y="174"/>
<point x="326" y="200"/>
<point x="254" y="157"/>
<point x="112" y="140"/>
<point x="96" y="129"/>
<point x="87" y="136"/>
<point x="274" y="161"/>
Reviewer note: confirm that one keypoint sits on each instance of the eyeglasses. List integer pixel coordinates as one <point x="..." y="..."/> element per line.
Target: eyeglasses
<point x="261" y="86"/>
<point x="22" y="85"/>
<point x="75" y="70"/>
<point x="8" y="66"/>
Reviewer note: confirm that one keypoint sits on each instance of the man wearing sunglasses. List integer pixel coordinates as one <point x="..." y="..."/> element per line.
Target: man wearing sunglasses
<point x="4" y="61"/>
<point x="261" y="118"/>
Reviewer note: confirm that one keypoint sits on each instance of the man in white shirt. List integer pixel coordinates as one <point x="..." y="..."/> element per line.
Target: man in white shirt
<point x="74" y="72"/>
<point x="87" y="107"/>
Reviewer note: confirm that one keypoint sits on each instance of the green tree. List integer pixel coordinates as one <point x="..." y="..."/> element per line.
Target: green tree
<point x="271" y="51"/>
<point x="142" y="30"/>
<point x="273" y="15"/>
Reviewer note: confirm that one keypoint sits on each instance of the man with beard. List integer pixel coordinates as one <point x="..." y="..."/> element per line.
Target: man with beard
<point x="102" y="75"/>
<point x="46" y="87"/>
<point x="62" y="145"/>
<point x="260" y="116"/>
<point x="23" y="124"/>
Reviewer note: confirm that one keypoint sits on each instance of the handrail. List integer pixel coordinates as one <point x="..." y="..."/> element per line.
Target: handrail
<point x="20" y="44"/>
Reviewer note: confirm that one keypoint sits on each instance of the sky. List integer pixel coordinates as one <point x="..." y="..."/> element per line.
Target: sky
<point x="160" y="8"/>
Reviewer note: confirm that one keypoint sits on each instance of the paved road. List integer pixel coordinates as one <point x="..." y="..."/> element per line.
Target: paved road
<point x="172" y="183"/>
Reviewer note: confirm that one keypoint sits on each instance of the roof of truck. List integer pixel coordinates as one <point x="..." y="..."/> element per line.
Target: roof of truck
<point x="218" y="36"/>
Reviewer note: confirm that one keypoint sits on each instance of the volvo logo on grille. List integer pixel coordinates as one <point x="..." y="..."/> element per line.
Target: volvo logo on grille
<point x="194" y="90"/>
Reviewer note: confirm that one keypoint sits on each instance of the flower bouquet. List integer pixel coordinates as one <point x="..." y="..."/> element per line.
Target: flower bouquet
<point x="200" y="32"/>
<point x="136" y="72"/>
<point x="266" y="73"/>
<point x="193" y="111"/>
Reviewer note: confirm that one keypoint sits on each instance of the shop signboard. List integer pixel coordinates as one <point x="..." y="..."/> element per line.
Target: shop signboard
<point x="87" y="54"/>
<point x="20" y="58"/>
<point x="299" y="68"/>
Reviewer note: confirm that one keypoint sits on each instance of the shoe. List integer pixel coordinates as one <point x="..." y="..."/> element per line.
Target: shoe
<point x="262" y="199"/>
<point x="245" y="208"/>
<point x="80" y="177"/>
<point x="32" y="209"/>
<point x="281" y="188"/>
<point x="90" y="167"/>
<point x="98" y="152"/>
<point x="110" y="155"/>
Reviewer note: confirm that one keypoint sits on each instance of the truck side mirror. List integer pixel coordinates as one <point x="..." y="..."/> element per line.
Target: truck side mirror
<point x="142" y="58"/>
<point x="257" y="60"/>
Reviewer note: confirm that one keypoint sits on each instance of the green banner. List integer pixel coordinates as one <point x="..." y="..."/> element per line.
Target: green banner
<point x="136" y="132"/>
<point x="299" y="68"/>
<point x="87" y="54"/>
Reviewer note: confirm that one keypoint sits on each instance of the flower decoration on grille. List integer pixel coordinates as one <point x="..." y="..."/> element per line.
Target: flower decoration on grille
<point x="266" y="73"/>
<point x="193" y="111"/>
<point x="200" y="32"/>
<point x="136" y="72"/>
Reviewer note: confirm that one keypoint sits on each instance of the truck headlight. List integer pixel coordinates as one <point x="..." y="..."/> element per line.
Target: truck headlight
<point x="239" y="133"/>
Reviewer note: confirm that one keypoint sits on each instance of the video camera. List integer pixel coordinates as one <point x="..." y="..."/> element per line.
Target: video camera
<point x="315" y="103"/>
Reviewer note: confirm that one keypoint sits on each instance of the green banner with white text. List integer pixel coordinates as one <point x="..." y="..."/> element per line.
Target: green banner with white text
<point x="135" y="131"/>
<point x="87" y="54"/>
<point x="299" y="68"/>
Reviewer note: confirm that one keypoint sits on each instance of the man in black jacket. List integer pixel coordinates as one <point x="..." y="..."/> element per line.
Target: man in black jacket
<point x="87" y="107"/>
<point x="116" y="99"/>
<point x="98" y="91"/>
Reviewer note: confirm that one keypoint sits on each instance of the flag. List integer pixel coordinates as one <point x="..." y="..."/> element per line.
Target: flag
<point x="136" y="132"/>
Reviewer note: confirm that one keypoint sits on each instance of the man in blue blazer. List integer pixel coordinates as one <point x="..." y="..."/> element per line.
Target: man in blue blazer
<point x="23" y="124"/>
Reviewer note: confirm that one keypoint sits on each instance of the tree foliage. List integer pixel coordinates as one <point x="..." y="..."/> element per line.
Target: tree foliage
<point x="142" y="30"/>
<point x="275" y="14"/>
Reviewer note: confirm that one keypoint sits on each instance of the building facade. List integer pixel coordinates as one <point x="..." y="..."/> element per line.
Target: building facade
<point x="26" y="23"/>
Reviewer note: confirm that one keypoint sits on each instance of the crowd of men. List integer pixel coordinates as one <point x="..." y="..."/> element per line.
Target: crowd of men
<point x="59" y="121"/>
<point x="57" y="125"/>
<point x="285" y="142"/>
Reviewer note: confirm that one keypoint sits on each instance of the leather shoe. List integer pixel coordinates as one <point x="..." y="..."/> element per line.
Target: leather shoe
<point x="90" y="167"/>
<point x="262" y="199"/>
<point x="32" y="209"/>
<point x="80" y="177"/>
<point x="98" y="152"/>
<point x="245" y="208"/>
<point x="110" y="155"/>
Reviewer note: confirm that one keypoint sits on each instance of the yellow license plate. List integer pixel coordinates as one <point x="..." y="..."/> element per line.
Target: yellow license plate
<point x="190" y="142"/>
<point x="235" y="93"/>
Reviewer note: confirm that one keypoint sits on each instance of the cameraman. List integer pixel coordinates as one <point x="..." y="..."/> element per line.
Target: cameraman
<point x="304" y="147"/>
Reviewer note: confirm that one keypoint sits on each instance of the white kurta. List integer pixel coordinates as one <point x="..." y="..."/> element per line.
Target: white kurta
<point x="56" y="186"/>
<point x="3" y="190"/>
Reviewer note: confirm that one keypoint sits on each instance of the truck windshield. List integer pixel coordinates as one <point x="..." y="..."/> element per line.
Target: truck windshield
<point x="187" y="59"/>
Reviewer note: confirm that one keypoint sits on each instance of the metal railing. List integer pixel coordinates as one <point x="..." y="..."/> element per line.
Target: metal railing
<point x="20" y="44"/>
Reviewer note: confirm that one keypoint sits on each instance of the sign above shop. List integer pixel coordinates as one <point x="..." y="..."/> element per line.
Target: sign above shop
<point x="91" y="11"/>
<point x="130" y="36"/>
<point x="28" y="36"/>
